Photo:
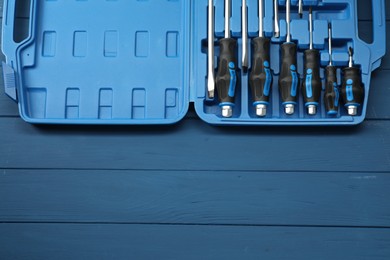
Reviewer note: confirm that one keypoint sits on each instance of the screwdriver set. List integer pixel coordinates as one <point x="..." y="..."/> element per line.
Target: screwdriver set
<point x="241" y="62"/>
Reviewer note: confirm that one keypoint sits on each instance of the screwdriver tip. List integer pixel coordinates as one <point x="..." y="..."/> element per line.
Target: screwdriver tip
<point x="211" y="94"/>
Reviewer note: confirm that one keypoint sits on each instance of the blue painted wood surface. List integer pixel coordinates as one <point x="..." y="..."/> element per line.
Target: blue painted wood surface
<point x="194" y="191"/>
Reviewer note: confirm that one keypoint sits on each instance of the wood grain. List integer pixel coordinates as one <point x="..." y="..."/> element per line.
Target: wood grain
<point x="182" y="197"/>
<point x="102" y="241"/>
<point x="194" y="145"/>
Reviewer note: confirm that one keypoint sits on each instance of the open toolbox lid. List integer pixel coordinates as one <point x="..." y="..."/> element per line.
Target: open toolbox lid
<point x="142" y="62"/>
<point x="100" y="62"/>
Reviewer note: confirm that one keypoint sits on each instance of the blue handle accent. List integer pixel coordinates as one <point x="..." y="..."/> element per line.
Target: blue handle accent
<point x="226" y="104"/>
<point x="336" y="91"/>
<point x="233" y="79"/>
<point x="309" y="87"/>
<point x="350" y="95"/>
<point x="268" y="78"/>
<point x="294" y="84"/>
<point x="260" y="103"/>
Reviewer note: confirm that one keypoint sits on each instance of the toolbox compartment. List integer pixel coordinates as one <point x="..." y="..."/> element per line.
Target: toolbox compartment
<point x="143" y="62"/>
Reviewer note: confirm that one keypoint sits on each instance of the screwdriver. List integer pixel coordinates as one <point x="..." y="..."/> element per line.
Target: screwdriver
<point x="227" y="76"/>
<point x="311" y="87"/>
<point x="300" y="8"/>
<point x="332" y="95"/>
<point x="288" y="78"/>
<point x="352" y="89"/>
<point x="244" y="36"/>
<point x="260" y="78"/>
<point x="276" y="19"/>
<point x="210" y="31"/>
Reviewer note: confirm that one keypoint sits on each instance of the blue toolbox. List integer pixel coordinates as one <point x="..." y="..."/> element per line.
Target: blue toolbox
<point x="241" y="62"/>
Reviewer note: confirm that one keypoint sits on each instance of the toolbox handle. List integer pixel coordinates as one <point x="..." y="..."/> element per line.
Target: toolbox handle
<point x="378" y="46"/>
<point x="9" y="46"/>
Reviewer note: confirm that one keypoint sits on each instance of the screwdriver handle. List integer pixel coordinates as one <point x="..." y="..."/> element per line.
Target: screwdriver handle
<point x="332" y="95"/>
<point x="311" y="87"/>
<point x="288" y="78"/>
<point x="352" y="90"/>
<point x="227" y="75"/>
<point x="260" y="78"/>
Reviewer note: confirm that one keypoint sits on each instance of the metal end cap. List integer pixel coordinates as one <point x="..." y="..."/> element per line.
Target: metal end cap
<point x="227" y="111"/>
<point x="312" y="110"/>
<point x="352" y="110"/>
<point x="261" y="110"/>
<point x="289" y="109"/>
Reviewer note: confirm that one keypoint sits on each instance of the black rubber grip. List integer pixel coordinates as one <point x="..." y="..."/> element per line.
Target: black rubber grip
<point x="288" y="78"/>
<point x="352" y="90"/>
<point x="312" y="86"/>
<point x="260" y="78"/>
<point x="227" y="76"/>
<point x="331" y="96"/>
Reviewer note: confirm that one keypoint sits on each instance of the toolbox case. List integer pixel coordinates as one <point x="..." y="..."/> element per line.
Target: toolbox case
<point x="144" y="61"/>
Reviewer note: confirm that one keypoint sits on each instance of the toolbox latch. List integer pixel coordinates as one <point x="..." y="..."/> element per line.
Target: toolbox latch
<point x="9" y="81"/>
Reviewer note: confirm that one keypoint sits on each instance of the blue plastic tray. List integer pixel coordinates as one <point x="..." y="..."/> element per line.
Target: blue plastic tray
<point x="143" y="62"/>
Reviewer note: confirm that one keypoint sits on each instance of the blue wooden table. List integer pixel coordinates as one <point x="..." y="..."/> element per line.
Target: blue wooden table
<point x="195" y="191"/>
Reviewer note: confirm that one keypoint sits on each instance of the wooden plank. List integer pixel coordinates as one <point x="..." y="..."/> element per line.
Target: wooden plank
<point x="102" y="241"/>
<point x="379" y="95"/>
<point x="194" y="145"/>
<point x="246" y="198"/>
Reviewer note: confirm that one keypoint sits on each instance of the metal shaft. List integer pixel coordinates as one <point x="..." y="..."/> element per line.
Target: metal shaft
<point x="276" y="19"/>
<point x="210" y="74"/>
<point x="300" y="8"/>
<point x="288" y="19"/>
<point x="244" y="36"/>
<point x="311" y="27"/>
<point x="261" y="18"/>
<point x="350" y="52"/>
<point x="330" y="44"/>
<point x="228" y="8"/>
